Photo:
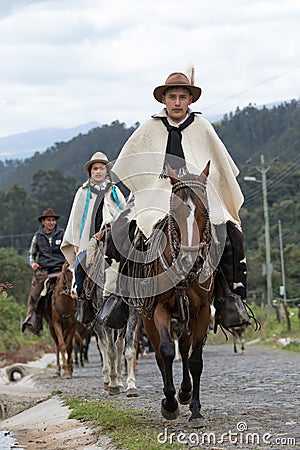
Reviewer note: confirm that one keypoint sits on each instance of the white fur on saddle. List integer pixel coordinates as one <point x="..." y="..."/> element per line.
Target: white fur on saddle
<point x="46" y="283"/>
<point x="45" y="288"/>
<point x="94" y="247"/>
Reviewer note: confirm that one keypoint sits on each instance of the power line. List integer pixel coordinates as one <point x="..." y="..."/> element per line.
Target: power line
<point x="252" y="87"/>
<point x="272" y="185"/>
<point x="273" y="181"/>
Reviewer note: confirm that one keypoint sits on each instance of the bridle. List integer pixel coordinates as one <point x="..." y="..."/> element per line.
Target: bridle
<point x="67" y="291"/>
<point x="67" y="287"/>
<point x="174" y="240"/>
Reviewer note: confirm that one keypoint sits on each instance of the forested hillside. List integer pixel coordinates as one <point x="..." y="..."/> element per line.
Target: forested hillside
<point x="51" y="178"/>
<point x="67" y="157"/>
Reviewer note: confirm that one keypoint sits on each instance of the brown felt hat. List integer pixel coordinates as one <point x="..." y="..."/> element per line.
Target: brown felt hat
<point x="49" y="212"/>
<point x="177" y="79"/>
<point x="97" y="157"/>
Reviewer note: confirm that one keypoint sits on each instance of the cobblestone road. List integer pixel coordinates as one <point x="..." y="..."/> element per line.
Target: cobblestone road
<point x="250" y="401"/>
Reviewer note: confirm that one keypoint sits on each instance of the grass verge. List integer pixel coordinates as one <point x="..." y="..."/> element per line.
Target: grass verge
<point x="129" y="429"/>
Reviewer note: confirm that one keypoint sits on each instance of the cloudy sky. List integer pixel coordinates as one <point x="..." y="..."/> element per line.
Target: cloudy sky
<point x="68" y="62"/>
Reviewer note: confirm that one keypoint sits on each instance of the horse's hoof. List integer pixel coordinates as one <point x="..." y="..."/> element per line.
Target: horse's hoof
<point x="67" y="375"/>
<point x="56" y="375"/>
<point x="132" y="393"/>
<point x="169" y="415"/>
<point x="184" y="398"/>
<point x="114" y="390"/>
<point x="197" y="422"/>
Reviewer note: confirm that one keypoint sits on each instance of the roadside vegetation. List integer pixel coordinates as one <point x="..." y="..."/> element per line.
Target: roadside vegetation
<point x="15" y="346"/>
<point x="130" y="429"/>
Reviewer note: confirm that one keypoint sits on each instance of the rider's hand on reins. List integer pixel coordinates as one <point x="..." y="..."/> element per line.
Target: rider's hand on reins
<point x="35" y="266"/>
<point x="101" y="233"/>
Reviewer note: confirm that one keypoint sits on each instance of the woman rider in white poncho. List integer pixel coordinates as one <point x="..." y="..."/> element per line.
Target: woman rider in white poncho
<point x="96" y="205"/>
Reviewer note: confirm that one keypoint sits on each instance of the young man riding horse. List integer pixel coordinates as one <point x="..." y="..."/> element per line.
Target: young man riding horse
<point x="182" y="139"/>
<point x="45" y="258"/>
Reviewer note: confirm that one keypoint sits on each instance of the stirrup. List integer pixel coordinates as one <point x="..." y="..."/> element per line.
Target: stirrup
<point x="85" y="311"/>
<point x="114" y="312"/>
<point x="30" y="323"/>
<point x="231" y="312"/>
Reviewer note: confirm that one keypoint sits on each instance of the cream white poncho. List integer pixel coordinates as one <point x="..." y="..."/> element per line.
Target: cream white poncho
<point x="72" y="236"/>
<point x="141" y="162"/>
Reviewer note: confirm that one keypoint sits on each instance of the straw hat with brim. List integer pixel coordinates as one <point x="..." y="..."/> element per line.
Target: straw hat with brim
<point x="97" y="157"/>
<point x="49" y="212"/>
<point x="177" y="79"/>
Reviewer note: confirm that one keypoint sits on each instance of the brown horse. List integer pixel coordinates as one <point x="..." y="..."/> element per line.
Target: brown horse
<point x="62" y="320"/>
<point x="184" y="290"/>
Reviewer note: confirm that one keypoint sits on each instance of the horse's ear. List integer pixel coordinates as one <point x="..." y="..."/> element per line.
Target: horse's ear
<point x="171" y="174"/>
<point x="206" y="170"/>
<point x="203" y="176"/>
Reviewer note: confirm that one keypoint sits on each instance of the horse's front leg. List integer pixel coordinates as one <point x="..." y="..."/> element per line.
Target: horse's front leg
<point x="169" y="406"/>
<point x="196" y="366"/>
<point x="102" y="343"/>
<point x="69" y="346"/>
<point x="120" y="344"/>
<point x="114" y="357"/>
<point x="53" y="335"/>
<point x="58" y="367"/>
<point x="58" y="327"/>
<point x="130" y="352"/>
<point x="185" y="391"/>
<point x="198" y="326"/>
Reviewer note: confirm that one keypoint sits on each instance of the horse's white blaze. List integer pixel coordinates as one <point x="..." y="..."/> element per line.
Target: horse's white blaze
<point x="190" y="222"/>
<point x="73" y="286"/>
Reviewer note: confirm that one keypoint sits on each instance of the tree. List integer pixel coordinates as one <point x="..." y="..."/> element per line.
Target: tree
<point x="11" y="312"/>
<point x="18" y="216"/>
<point x="15" y="270"/>
<point x="52" y="189"/>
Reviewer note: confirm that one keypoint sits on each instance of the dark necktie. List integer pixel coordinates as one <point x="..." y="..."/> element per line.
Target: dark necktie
<point x="174" y="151"/>
<point x="98" y="207"/>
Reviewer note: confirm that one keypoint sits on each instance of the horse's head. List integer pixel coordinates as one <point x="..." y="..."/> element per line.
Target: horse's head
<point x="189" y="220"/>
<point x="67" y="280"/>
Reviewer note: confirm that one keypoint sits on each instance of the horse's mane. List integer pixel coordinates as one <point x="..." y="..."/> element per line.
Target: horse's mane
<point x="188" y="177"/>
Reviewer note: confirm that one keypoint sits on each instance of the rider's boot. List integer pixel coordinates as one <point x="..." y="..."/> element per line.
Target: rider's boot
<point x="39" y="316"/>
<point x="30" y="322"/>
<point x="231" y="282"/>
<point x="38" y="325"/>
<point x="85" y="310"/>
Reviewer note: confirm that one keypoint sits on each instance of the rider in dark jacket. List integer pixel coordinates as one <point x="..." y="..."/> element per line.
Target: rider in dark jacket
<point x="45" y="258"/>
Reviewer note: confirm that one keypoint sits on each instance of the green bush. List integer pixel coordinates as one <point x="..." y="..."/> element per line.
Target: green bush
<point x="10" y="314"/>
<point x="15" y="270"/>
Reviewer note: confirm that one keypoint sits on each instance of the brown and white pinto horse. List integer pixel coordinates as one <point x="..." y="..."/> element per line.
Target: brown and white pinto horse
<point x="184" y="283"/>
<point x="61" y="318"/>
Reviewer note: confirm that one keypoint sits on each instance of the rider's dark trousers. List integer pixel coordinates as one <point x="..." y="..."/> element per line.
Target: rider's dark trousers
<point x="37" y="285"/>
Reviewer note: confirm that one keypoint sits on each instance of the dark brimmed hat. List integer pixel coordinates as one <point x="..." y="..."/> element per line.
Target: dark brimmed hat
<point x="177" y="79"/>
<point x="97" y="157"/>
<point x="49" y="212"/>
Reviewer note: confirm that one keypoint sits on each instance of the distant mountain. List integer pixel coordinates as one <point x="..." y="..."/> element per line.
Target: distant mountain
<point x="24" y="145"/>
